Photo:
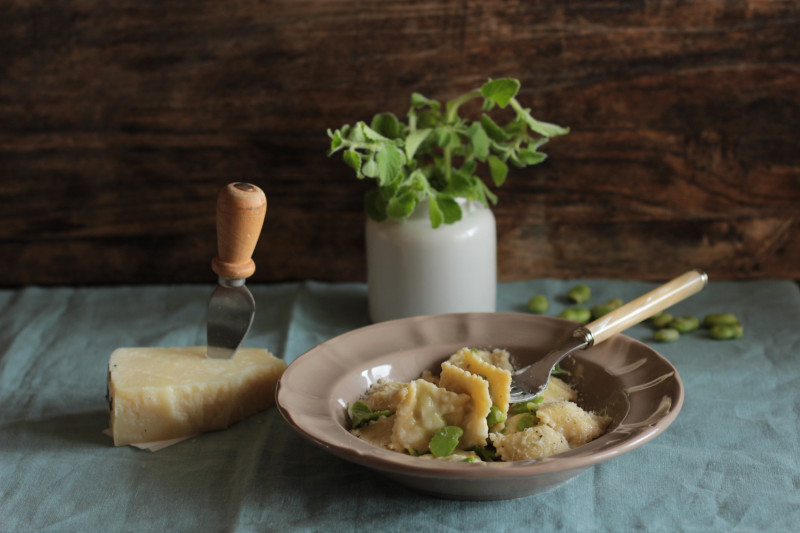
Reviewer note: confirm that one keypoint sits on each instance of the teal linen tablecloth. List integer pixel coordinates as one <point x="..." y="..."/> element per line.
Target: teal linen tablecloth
<point x="730" y="462"/>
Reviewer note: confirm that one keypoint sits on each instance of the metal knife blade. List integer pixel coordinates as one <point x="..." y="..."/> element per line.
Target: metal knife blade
<point x="241" y="208"/>
<point x="230" y="314"/>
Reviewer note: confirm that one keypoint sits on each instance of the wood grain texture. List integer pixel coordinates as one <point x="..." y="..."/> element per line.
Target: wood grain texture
<point x="120" y="121"/>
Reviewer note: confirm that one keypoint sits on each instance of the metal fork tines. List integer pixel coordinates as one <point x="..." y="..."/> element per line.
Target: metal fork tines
<point x="529" y="382"/>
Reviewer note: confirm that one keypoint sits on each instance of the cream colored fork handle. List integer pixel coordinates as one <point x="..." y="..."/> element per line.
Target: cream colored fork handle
<point x="647" y="305"/>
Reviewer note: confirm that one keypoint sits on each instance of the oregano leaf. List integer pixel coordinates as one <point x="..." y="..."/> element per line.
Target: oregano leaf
<point x="479" y="140"/>
<point x="375" y="205"/>
<point x="361" y="413"/>
<point x="370" y="168"/>
<point x="418" y="101"/>
<point x="538" y="143"/>
<point x="353" y="160"/>
<point x="498" y="170"/>
<point x="414" y="140"/>
<point x="435" y="212"/>
<point x="336" y="141"/>
<point x="461" y="185"/>
<point x="529" y="157"/>
<point x="500" y="91"/>
<point x="387" y="125"/>
<point x="370" y="134"/>
<point x="388" y="191"/>
<point x="446" y="138"/>
<point x="401" y="206"/>
<point x="390" y="162"/>
<point x="543" y="128"/>
<point x="418" y="181"/>
<point x="428" y="119"/>
<point x="494" y="131"/>
<point x="486" y="193"/>
<point x="355" y="134"/>
<point x="451" y="211"/>
<point x="468" y="168"/>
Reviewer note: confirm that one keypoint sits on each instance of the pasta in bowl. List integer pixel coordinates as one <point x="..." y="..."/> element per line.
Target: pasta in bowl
<point x="464" y="413"/>
<point x="635" y="391"/>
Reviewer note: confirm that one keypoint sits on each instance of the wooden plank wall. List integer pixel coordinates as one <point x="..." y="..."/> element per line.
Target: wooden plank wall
<point x="119" y="122"/>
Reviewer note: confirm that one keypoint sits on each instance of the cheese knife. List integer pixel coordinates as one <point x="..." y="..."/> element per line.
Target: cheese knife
<point x="241" y="208"/>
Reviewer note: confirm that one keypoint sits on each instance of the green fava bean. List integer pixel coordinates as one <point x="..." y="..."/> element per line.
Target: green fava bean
<point x="685" y="324"/>
<point x="666" y="335"/>
<point x="580" y="294"/>
<point x="526" y="421"/>
<point x="495" y="416"/>
<point x="728" y="319"/>
<point x="723" y="332"/>
<point x="661" y="320"/>
<point x="577" y="314"/>
<point x="445" y="440"/>
<point x="538" y="304"/>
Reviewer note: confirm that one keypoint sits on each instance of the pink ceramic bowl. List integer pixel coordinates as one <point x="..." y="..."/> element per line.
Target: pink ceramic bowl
<point x="621" y="377"/>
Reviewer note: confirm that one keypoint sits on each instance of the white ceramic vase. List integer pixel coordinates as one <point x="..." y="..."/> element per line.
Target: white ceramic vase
<point x="415" y="269"/>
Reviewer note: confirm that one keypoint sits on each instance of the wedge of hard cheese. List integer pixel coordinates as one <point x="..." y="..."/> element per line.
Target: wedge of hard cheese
<point x="165" y="393"/>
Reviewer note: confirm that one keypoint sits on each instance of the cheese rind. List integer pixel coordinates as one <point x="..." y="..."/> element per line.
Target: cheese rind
<point x="166" y="393"/>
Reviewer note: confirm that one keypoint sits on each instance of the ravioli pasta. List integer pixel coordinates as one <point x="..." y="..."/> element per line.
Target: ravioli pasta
<point x="473" y="393"/>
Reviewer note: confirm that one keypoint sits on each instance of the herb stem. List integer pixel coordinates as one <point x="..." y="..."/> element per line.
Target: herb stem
<point x="448" y="165"/>
<point x="515" y="105"/>
<point x="453" y="105"/>
<point x="364" y="145"/>
<point x="451" y="118"/>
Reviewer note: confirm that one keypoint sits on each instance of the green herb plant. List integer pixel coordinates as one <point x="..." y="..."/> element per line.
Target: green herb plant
<point x="437" y="154"/>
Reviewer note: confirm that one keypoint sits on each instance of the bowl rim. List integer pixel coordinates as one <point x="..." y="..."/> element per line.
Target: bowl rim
<point x="319" y="425"/>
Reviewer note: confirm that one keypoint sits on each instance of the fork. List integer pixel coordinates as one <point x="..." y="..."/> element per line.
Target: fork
<point x="530" y="381"/>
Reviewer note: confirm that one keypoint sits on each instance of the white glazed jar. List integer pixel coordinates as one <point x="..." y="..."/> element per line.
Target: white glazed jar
<point x="415" y="269"/>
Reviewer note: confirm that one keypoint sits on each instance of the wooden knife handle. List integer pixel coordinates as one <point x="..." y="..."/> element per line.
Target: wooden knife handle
<point x="241" y="208"/>
<point x="647" y="305"/>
